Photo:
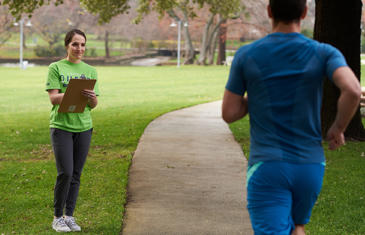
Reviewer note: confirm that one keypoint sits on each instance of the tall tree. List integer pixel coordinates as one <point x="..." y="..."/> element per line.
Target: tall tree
<point x="6" y="23"/>
<point x="222" y="43"/>
<point x="180" y="10"/>
<point x="105" y="9"/>
<point x="220" y="12"/>
<point x="338" y="23"/>
<point x="106" y="43"/>
<point x="51" y="22"/>
<point x="183" y="10"/>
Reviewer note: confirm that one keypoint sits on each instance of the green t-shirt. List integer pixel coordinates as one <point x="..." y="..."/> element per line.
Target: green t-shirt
<point x="59" y="75"/>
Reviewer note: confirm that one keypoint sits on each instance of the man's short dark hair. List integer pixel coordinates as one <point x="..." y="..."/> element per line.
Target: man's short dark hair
<point x="287" y="10"/>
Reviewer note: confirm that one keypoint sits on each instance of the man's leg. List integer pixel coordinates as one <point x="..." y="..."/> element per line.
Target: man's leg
<point x="299" y="230"/>
<point x="270" y="200"/>
<point x="306" y="186"/>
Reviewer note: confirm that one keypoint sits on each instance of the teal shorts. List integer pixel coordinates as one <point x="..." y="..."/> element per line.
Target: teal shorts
<point x="281" y="195"/>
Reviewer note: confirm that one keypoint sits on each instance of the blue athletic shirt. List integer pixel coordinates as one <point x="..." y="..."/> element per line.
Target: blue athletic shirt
<point x="283" y="75"/>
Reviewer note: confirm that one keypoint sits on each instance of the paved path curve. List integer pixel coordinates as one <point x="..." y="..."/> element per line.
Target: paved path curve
<point x="150" y="61"/>
<point x="187" y="177"/>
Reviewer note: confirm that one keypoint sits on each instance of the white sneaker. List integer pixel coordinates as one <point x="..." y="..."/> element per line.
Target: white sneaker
<point x="59" y="225"/>
<point x="71" y="223"/>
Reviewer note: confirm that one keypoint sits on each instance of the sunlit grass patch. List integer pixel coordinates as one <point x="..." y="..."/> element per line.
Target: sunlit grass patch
<point x="131" y="97"/>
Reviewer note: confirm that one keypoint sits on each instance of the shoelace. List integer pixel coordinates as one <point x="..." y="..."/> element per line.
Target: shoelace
<point x="61" y="222"/>
<point x="72" y="221"/>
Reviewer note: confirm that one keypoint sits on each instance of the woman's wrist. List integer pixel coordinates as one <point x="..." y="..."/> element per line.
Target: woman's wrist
<point x="92" y="102"/>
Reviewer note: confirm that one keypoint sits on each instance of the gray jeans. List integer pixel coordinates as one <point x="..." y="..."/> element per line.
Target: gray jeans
<point x="70" y="150"/>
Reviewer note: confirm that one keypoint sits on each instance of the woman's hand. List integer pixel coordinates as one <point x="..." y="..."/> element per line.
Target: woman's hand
<point x="92" y="99"/>
<point x="90" y="94"/>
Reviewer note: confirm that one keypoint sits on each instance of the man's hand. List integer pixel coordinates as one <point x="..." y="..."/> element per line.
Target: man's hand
<point x="347" y="105"/>
<point x="335" y="138"/>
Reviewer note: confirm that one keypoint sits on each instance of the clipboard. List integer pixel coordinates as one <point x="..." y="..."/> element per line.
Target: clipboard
<point x="73" y="101"/>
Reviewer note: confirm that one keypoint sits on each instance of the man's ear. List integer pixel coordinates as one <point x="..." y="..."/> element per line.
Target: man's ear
<point x="304" y="14"/>
<point x="269" y="12"/>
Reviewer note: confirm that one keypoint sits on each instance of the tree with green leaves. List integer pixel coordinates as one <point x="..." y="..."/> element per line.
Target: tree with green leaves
<point x="179" y="10"/>
<point x="184" y="10"/>
<point x="104" y="9"/>
<point x="6" y="23"/>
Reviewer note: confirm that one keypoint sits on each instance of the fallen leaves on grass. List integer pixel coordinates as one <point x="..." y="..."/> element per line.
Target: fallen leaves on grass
<point x="42" y="152"/>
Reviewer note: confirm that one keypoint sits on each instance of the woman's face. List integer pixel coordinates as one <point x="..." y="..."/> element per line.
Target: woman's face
<point x="76" y="48"/>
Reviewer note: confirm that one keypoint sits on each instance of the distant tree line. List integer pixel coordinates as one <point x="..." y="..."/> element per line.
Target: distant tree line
<point x="203" y="21"/>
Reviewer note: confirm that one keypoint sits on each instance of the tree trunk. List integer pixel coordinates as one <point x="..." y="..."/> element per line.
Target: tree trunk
<point x="222" y="43"/>
<point x="205" y="44"/>
<point x="338" y="24"/>
<point x="24" y="41"/>
<point x="189" y="48"/>
<point x="4" y="37"/>
<point x="106" y="40"/>
<point x="212" y="48"/>
<point x="190" y="51"/>
<point x="209" y="36"/>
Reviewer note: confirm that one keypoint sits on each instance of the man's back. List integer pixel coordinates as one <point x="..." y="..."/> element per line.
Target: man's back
<point x="283" y="74"/>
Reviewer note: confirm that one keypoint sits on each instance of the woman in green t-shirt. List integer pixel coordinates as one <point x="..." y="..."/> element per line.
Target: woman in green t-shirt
<point x="70" y="132"/>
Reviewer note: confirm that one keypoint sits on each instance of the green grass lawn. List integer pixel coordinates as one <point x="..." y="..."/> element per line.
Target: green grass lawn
<point x="131" y="97"/>
<point x="362" y="80"/>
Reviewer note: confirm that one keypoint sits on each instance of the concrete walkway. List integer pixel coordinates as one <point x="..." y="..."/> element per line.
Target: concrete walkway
<point x="150" y="61"/>
<point x="187" y="177"/>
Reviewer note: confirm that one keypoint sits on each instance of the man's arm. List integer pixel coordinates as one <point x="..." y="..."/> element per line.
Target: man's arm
<point x="234" y="107"/>
<point x="347" y="105"/>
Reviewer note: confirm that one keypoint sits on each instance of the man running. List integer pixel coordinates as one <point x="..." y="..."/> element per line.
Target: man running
<point x="283" y="74"/>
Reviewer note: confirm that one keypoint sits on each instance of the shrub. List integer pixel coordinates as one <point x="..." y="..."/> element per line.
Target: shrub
<point x="46" y="51"/>
<point x="141" y="44"/>
<point x="91" y="52"/>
